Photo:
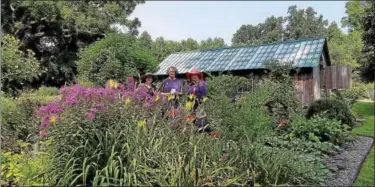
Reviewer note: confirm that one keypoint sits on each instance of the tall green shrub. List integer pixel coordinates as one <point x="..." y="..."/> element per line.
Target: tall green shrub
<point x="114" y="57"/>
<point x="332" y="109"/>
<point x="18" y="68"/>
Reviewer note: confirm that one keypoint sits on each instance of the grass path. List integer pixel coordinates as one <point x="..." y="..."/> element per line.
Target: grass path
<point x="366" y="176"/>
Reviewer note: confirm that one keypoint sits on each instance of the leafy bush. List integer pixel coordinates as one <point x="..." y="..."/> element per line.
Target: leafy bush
<point x="302" y="145"/>
<point x="27" y="168"/>
<point x="358" y="91"/>
<point x="115" y="57"/>
<point x="20" y="120"/>
<point x="18" y="68"/>
<point x="317" y="129"/>
<point x="279" y="165"/>
<point x="225" y="84"/>
<point x="332" y="109"/>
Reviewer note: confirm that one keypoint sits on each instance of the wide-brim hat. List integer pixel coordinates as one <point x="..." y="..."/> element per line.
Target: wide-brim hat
<point x="194" y="71"/>
<point x="147" y="75"/>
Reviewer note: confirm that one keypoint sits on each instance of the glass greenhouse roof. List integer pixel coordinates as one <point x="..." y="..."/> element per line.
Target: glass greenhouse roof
<point x="303" y="53"/>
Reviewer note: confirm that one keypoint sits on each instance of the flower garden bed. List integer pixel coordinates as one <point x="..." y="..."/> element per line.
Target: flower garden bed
<point x="119" y="136"/>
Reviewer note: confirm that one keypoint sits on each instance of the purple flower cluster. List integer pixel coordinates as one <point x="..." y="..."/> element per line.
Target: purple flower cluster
<point x="93" y="100"/>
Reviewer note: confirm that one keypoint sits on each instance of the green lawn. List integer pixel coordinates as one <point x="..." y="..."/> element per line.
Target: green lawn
<point x="366" y="176"/>
<point x="367" y="110"/>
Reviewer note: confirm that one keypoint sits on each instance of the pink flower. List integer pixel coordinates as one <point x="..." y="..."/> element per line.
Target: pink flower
<point x="43" y="133"/>
<point x="51" y="108"/>
<point x="45" y="123"/>
<point x="99" y="105"/>
<point x="93" y="110"/>
<point x="90" y="116"/>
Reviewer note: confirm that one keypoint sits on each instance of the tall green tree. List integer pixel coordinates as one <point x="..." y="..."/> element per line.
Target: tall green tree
<point x="56" y="30"/>
<point x="269" y="31"/>
<point x="189" y="44"/>
<point x="212" y="43"/>
<point x="303" y="23"/>
<point x="345" y="49"/>
<point x="246" y="34"/>
<point x="300" y="23"/>
<point x="368" y="24"/>
<point x="145" y="40"/>
<point x="355" y="11"/>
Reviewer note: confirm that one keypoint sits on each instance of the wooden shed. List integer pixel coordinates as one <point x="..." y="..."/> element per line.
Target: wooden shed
<point x="311" y="56"/>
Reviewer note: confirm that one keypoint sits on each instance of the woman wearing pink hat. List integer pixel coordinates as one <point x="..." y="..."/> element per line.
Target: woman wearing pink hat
<point x="198" y="89"/>
<point x="198" y="86"/>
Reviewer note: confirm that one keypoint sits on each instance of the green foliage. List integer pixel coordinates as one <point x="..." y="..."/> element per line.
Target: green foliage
<point x="189" y="44"/>
<point x="56" y="30"/>
<point x="19" y="119"/>
<point x="269" y="31"/>
<point x="18" y="68"/>
<point x="282" y="166"/>
<point x="355" y="11"/>
<point x="332" y="109"/>
<point x="368" y="37"/>
<point x="115" y="57"/>
<point x="212" y="43"/>
<point x="47" y="91"/>
<point x="302" y="145"/>
<point x="344" y="49"/>
<point x="228" y="85"/>
<point x="27" y="168"/>
<point x="114" y="150"/>
<point x="318" y="129"/>
<point x="304" y="23"/>
<point x="301" y="23"/>
<point x="367" y="111"/>
<point x="145" y="40"/>
<point x="358" y="91"/>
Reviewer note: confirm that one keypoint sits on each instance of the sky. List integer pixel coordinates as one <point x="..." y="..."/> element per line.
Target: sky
<point x="179" y="20"/>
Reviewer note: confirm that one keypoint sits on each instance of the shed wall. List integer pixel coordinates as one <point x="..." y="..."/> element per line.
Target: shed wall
<point x="337" y="77"/>
<point x="304" y="87"/>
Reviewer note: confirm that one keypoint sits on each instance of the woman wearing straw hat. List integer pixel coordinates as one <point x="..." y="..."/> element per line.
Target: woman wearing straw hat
<point x="147" y="85"/>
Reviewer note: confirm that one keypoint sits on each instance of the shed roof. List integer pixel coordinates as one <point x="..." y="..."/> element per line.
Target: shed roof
<point x="303" y="53"/>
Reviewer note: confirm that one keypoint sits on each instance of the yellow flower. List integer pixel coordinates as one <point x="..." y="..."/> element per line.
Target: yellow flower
<point x="112" y="84"/>
<point x="170" y="97"/>
<point x="52" y="119"/>
<point x="157" y="98"/>
<point x="141" y="123"/>
<point x="204" y="99"/>
<point x="128" y="101"/>
<point x="191" y="96"/>
<point x="189" y="105"/>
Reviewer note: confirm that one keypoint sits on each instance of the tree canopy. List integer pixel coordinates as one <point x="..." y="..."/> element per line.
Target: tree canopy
<point x="368" y="25"/>
<point x="56" y="30"/>
<point x="52" y="42"/>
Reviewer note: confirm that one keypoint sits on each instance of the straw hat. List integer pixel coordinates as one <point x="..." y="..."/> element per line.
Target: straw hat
<point x="146" y="75"/>
<point x="194" y="71"/>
